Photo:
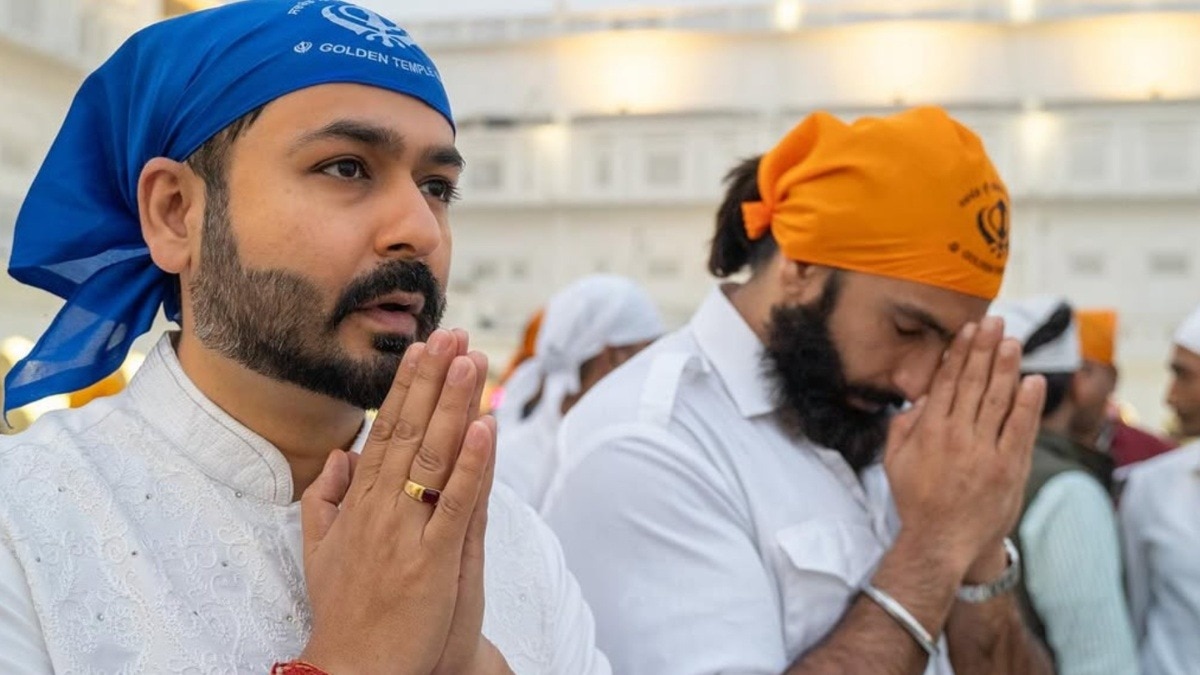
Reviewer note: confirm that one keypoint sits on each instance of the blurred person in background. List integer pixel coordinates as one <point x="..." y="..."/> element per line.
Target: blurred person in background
<point x="1161" y="528"/>
<point x="722" y="497"/>
<point x="1183" y="393"/>
<point x="1097" y="422"/>
<point x="523" y="353"/>
<point x="277" y="176"/>
<point x="588" y="329"/>
<point x="1072" y="589"/>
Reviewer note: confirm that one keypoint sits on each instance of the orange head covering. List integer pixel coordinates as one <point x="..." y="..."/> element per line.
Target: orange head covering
<point x="528" y="344"/>
<point x="910" y="196"/>
<point x="1097" y="335"/>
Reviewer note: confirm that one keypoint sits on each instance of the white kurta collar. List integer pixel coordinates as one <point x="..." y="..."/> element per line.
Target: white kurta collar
<point x="220" y="446"/>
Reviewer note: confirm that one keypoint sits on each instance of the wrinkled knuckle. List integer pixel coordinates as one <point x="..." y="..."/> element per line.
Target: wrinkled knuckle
<point x="381" y="429"/>
<point x="429" y="460"/>
<point x="452" y="506"/>
<point x="405" y="431"/>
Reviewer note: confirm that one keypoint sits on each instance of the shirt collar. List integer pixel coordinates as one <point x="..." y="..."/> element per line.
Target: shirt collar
<point x="220" y="446"/>
<point x="735" y="352"/>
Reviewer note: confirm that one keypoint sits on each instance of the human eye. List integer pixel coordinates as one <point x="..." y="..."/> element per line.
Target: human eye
<point x="440" y="189"/>
<point x="346" y="168"/>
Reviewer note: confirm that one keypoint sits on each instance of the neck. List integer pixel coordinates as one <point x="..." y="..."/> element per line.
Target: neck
<point x="753" y="301"/>
<point x="305" y="427"/>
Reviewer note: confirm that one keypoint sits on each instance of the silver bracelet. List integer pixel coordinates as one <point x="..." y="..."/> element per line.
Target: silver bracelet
<point x="903" y="617"/>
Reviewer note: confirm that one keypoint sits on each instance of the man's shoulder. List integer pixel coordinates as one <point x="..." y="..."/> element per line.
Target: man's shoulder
<point x="652" y="389"/>
<point x="1168" y="464"/>
<point x="57" y="445"/>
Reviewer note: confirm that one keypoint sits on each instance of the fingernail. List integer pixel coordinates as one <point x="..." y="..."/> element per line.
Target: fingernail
<point x="460" y="371"/>
<point x="439" y="342"/>
<point x="993" y="323"/>
<point x="968" y="331"/>
<point x="412" y="355"/>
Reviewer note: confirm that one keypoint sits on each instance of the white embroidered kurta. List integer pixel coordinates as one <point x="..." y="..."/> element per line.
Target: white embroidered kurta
<point x="151" y="533"/>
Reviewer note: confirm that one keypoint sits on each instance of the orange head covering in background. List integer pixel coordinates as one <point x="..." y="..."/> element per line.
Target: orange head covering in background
<point x="910" y="196"/>
<point x="1097" y="335"/>
<point x="528" y="344"/>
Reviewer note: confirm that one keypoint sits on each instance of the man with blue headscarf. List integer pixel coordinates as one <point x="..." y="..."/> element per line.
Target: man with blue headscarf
<point x="277" y="176"/>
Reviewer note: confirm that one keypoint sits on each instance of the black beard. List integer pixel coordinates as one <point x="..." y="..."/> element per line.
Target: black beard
<point x="271" y="321"/>
<point x="810" y="387"/>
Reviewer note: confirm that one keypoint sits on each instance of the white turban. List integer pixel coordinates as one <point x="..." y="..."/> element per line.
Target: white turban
<point x="1188" y="334"/>
<point x="579" y="322"/>
<point x="1024" y="318"/>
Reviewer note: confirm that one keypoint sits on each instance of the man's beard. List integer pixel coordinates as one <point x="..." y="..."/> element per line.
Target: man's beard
<point x="810" y="387"/>
<point x="271" y="320"/>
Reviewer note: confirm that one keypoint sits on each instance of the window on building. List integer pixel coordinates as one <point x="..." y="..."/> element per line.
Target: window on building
<point x="1088" y="152"/>
<point x="485" y="270"/>
<point x="1169" y="149"/>
<point x="1086" y="263"/>
<point x="602" y="170"/>
<point x="663" y="268"/>
<point x="1169" y="263"/>
<point x="519" y="269"/>
<point x="664" y="168"/>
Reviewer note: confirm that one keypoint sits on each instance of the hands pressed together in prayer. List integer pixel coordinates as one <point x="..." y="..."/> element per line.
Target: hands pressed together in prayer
<point x="396" y="584"/>
<point x="959" y="459"/>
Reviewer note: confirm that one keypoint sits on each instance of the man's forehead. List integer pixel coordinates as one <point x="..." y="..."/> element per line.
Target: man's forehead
<point x="1185" y="359"/>
<point x="308" y="110"/>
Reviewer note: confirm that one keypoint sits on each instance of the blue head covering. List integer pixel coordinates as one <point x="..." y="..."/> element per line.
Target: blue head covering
<point x="166" y="91"/>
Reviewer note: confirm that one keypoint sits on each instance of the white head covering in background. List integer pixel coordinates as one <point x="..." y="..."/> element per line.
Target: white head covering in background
<point x="1188" y="334"/>
<point x="1025" y="319"/>
<point x="580" y="321"/>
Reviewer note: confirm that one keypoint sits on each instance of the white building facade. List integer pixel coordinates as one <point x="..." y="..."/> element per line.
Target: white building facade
<point x="596" y="140"/>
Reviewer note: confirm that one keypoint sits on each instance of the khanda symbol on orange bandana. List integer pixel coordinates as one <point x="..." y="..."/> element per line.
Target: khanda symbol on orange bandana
<point x="993" y="225"/>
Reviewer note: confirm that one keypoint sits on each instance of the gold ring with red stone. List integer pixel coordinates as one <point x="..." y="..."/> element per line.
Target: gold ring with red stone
<point x="421" y="493"/>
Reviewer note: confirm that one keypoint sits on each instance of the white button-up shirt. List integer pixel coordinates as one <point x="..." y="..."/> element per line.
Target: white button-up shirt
<point x="1160" y="521"/>
<point x="706" y="539"/>
<point x="150" y="533"/>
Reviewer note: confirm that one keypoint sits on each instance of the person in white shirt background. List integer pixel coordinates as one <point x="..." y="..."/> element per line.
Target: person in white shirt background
<point x="1071" y="590"/>
<point x="588" y="329"/>
<point x="720" y="497"/>
<point x="1160" y="523"/>
<point x="289" y="206"/>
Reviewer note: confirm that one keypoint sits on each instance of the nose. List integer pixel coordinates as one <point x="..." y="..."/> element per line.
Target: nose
<point x="407" y="225"/>
<point x="1172" y="399"/>
<point x="914" y="374"/>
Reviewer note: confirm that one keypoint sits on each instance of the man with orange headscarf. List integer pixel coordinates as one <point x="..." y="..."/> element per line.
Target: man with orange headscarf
<point x="747" y="497"/>
<point x="1094" y="423"/>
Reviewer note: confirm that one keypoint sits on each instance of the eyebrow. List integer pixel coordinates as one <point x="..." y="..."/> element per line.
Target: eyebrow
<point x="926" y="319"/>
<point x="380" y="138"/>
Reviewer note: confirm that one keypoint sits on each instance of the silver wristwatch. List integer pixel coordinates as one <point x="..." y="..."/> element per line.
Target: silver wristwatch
<point x="1003" y="584"/>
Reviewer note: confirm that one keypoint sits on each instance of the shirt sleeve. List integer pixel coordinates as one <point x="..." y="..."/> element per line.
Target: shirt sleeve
<point x="1073" y="573"/>
<point x="1137" y="568"/>
<point x="574" y="627"/>
<point x="22" y="648"/>
<point x="667" y="560"/>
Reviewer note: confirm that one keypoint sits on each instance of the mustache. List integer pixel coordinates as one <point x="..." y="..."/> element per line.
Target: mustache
<point x="397" y="276"/>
